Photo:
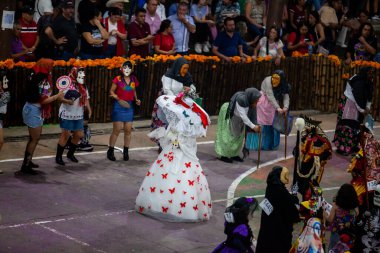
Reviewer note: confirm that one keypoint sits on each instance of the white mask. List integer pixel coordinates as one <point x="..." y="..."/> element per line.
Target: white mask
<point x="80" y="77"/>
<point x="127" y="71"/>
<point x="5" y="82"/>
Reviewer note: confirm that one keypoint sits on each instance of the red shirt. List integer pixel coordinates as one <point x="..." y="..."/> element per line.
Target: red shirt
<point x="292" y="39"/>
<point x="137" y="31"/>
<point x="166" y="42"/>
<point x="28" y="33"/>
<point x="126" y="91"/>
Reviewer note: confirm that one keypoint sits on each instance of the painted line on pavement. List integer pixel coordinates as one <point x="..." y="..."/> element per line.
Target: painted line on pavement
<point x="71" y="238"/>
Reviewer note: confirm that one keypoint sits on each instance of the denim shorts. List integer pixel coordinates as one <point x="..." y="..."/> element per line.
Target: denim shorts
<point x="71" y="125"/>
<point x="31" y="115"/>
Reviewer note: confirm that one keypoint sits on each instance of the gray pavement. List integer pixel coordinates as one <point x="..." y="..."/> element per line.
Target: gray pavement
<point x="89" y="207"/>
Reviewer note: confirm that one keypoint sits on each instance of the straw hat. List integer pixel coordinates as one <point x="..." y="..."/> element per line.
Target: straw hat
<point x="111" y="2"/>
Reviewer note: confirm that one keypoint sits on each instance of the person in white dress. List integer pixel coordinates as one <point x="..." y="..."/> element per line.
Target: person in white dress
<point x="175" y="187"/>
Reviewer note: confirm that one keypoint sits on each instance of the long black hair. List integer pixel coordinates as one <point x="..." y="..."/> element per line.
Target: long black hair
<point x="165" y="24"/>
<point x="346" y="197"/>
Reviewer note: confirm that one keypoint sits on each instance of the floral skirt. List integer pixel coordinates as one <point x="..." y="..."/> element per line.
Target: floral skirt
<point x="346" y="137"/>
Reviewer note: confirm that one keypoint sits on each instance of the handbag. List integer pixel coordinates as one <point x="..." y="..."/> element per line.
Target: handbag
<point x="279" y="123"/>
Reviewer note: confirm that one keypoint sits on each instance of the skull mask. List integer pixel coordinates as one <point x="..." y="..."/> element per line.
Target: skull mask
<point x="5" y="82"/>
<point x="376" y="197"/>
<point x="80" y="77"/>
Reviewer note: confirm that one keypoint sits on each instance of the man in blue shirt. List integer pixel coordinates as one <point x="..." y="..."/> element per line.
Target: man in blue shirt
<point x="229" y="43"/>
<point x="183" y="25"/>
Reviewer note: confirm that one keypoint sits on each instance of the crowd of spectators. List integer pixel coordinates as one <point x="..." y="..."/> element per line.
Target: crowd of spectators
<point x="93" y="29"/>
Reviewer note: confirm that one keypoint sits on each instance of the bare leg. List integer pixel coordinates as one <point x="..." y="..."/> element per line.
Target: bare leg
<point x="115" y="133"/>
<point x="127" y="133"/>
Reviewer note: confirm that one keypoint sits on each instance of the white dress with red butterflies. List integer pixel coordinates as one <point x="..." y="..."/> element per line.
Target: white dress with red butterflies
<point x="175" y="187"/>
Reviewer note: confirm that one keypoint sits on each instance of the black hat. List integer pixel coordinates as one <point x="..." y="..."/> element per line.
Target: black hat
<point x="27" y="9"/>
<point x="67" y="4"/>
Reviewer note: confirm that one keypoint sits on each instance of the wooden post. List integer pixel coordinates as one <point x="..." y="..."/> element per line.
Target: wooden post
<point x="275" y="11"/>
<point x="6" y="35"/>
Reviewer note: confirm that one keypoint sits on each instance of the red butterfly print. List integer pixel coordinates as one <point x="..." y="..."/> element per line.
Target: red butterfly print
<point x="183" y="204"/>
<point x="165" y="209"/>
<point x="152" y="189"/>
<point x="197" y="166"/>
<point x="192" y="198"/>
<point x="198" y="178"/>
<point x="195" y="207"/>
<point x="164" y="176"/>
<point x="179" y="181"/>
<point x="161" y="191"/>
<point x="159" y="161"/>
<point x="184" y="193"/>
<point x="180" y="212"/>
<point x="141" y="209"/>
<point x="142" y="188"/>
<point x="201" y="189"/>
<point x="172" y="190"/>
<point x="149" y="207"/>
<point x="148" y="174"/>
<point x="188" y="165"/>
<point x="170" y="201"/>
<point x="205" y="215"/>
<point x="209" y="205"/>
<point x="165" y="155"/>
<point x="204" y="202"/>
<point x="184" y="171"/>
<point x="203" y="173"/>
<point x="161" y="165"/>
<point x="191" y="182"/>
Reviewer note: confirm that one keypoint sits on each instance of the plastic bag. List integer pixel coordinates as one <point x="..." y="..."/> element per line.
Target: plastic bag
<point x="279" y="123"/>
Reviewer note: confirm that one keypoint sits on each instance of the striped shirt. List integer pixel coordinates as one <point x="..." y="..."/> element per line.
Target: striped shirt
<point x="28" y="33"/>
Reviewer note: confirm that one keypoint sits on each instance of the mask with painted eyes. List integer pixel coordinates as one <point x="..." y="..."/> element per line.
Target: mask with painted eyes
<point x="284" y="177"/>
<point x="127" y="70"/>
<point x="184" y="69"/>
<point x="276" y="80"/>
<point x="80" y="77"/>
<point x="5" y="82"/>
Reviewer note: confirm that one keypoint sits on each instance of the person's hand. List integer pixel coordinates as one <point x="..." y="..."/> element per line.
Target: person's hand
<point x="285" y="110"/>
<point x="362" y="39"/>
<point x="182" y="18"/>
<point x="257" y="129"/>
<point x="348" y="61"/>
<point x="113" y="32"/>
<point x="254" y="58"/>
<point x="60" y="95"/>
<point x="89" y="111"/>
<point x="96" y="22"/>
<point x="301" y="43"/>
<point x="277" y="61"/>
<point x="280" y="111"/>
<point x="61" y="40"/>
<point x="114" y="96"/>
<point x="186" y="89"/>
<point x="69" y="102"/>
<point x="210" y="22"/>
<point x="366" y="111"/>
<point x="227" y="59"/>
<point x="149" y="37"/>
<point x="138" y="102"/>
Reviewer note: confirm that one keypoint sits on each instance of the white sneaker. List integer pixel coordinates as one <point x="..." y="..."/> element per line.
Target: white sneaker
<point x="198" y="48"/>
<point x="376" y="17"/>
<point x="208" y="45"/>
<point x="205" y="48"/>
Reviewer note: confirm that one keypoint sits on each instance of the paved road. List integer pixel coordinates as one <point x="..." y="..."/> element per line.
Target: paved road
<point x="88" y="207"/>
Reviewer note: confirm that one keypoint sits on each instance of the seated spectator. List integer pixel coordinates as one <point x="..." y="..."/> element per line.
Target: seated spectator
<point x="355" y="23"/>
<point x="300" y="40"/>
<point x="41" y="8"/>
<point x="270" y="45"/>
<point x="199" y="12"/>
<point x="28" y="35"/>
<point x="256" y="15"/>
<point x="17" y="51"/>
<point x="229" y="43"/>
<point x="139" y="35"/>
<point x="297" y="14"/>
<point x="174" y="6"/>
<point x="183" y="25"/>
<point x="362" y="47"/>
<point x="48" y="41"/>
<point x="249" y="43"/>
<point x="113" y="24"/>
<point x="224" y="9"/>
<point x="64" y="26"/>
<point x="93" y="36"/>
<point x="82" y="11"/>
<point x="117" y="4"/>
<point x="318" y="33"/>
<point x="164" y="40"/>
